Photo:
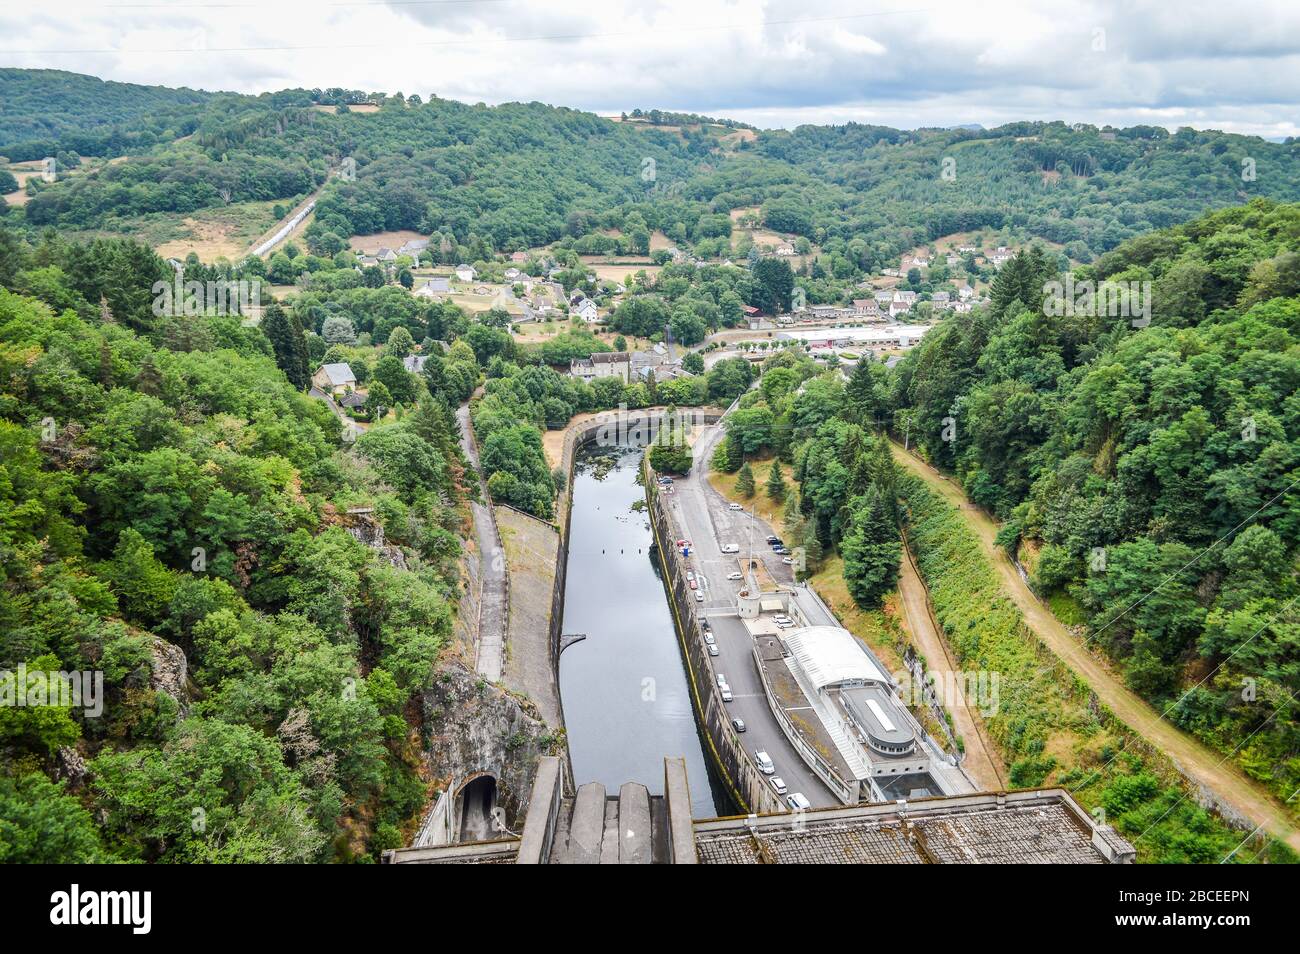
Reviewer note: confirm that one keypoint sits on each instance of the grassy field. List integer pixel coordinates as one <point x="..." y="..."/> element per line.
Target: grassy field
<point x="211" y="234"/>
<point x="767" y="508"/>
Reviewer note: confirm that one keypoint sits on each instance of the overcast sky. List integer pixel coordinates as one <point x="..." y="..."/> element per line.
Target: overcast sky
<point x="770" y="62"/>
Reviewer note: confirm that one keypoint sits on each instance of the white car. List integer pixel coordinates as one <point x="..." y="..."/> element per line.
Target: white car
<point x="690" y="577"/>
<point x="735" y="507"/>
<point x="735" y="576"/>
<point x="699" y="597"/>
<point x="788" y="561"/>
<point x="764" y="762"/>
<point x="708" y="639"/>
<point x="798" y="802"/>
<point x="726" y="693"/>
<point x="722" y="679"/>
<point x="778" y="783"/>
<point x="713" y="650"/>
<point x="731" y="548"/>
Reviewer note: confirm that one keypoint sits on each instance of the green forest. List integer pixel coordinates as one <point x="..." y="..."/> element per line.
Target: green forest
<point x="523" y="175"/>
<point x="157" y="495"/>
<point x="1122" y="457"/>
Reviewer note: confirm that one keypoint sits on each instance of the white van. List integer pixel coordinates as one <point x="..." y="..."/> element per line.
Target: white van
<point x="797" y="801"/>
<point x="764" y="762"/>
<point x="731" y="548"/>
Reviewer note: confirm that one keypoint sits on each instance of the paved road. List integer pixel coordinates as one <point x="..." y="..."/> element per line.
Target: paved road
<point x="1202" y="765"/>
<point x="706" y="520"/>
<point x="493" y="605"/>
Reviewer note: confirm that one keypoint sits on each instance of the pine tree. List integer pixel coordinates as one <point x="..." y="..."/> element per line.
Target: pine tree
<point x="871" y="550"/>
<point x="812" y="549"/>
<point x="302" y="380"/>
<point x="735" y="454"/>
<point x="776" y="482"/>
<point x="148" y="380"/>
<point x="745" y="481"/>
<point x="791" y="517"/>
<point x="290" y="353"/>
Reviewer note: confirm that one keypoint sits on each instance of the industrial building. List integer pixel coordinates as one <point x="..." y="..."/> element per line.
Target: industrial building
<point x="886" y="336"/>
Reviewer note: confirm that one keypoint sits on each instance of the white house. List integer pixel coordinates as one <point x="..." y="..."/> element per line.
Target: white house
<point x="334" y="378"/>
<point x="585" y="309"/>
<point x="466" y="273"/>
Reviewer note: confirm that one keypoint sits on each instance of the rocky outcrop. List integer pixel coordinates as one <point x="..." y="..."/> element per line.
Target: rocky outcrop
<point x="474" y="726"/>
<point x="364" y="527"/>
<point x="170" y="671"/>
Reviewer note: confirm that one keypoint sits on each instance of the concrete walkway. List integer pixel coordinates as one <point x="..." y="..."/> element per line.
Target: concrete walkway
<point x="494" y="604"/>
<point x="1202" y="766"/>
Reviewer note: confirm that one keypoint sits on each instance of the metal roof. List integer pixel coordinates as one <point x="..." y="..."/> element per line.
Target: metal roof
<point x="830" y="656"/>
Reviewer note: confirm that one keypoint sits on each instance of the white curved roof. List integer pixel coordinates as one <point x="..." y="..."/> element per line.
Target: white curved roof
<point x="831" y="655"/>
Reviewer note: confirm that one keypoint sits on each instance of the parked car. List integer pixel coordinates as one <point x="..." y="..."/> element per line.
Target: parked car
<point x="764" y="762"/>
<point x="778" y="783"/>
<point x="782" y="551"/>
<point x="713" y="650"/>
<point x="788" y="561"/>
<point x="726" y="693"/>
<point x="738" y="724"/>
<point x="708" y="638"/>
<point x="731" y="548"/>
<point x="797" y="802"/>
<point x="692" y="584"/>
<point x="735" y="506"/>
<point x="699" y="597"/>
<point x="773" y="539"/>
<point x="735" y="576"/>
<point x="689" y="576"/>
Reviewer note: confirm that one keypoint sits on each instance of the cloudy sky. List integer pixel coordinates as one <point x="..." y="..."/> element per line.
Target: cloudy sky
<point x="903" y="63"/>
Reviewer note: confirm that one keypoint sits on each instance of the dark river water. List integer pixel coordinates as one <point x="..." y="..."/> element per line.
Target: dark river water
<point x="627" y="702"/>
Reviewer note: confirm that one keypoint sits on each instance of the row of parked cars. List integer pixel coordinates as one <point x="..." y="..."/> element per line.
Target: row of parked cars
<point x="796" y="800"/>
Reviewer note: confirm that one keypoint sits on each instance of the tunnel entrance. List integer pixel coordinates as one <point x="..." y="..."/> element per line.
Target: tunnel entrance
<point x="475" y="802"/>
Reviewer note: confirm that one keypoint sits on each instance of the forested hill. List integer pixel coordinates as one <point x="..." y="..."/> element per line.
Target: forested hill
<point x="174" y="514"/>
<point x="1148" y="475"/>
<point x="47" y="111"/>
<point x="522" y="175"/>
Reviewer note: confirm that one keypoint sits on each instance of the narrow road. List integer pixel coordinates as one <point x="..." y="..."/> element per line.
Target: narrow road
<point x="1198" y="763"/>
<point x="981" y="760"/>
<point x="490" y="652"/>
<point x="351" y="429"/>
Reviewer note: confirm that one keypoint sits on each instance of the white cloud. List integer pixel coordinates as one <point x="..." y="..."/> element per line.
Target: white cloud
<point x="775" y="62"/>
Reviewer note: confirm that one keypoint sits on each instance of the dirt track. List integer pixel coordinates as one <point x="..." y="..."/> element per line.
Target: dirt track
<point x="1201" y="766"/>
<point x="982" y="762"/>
